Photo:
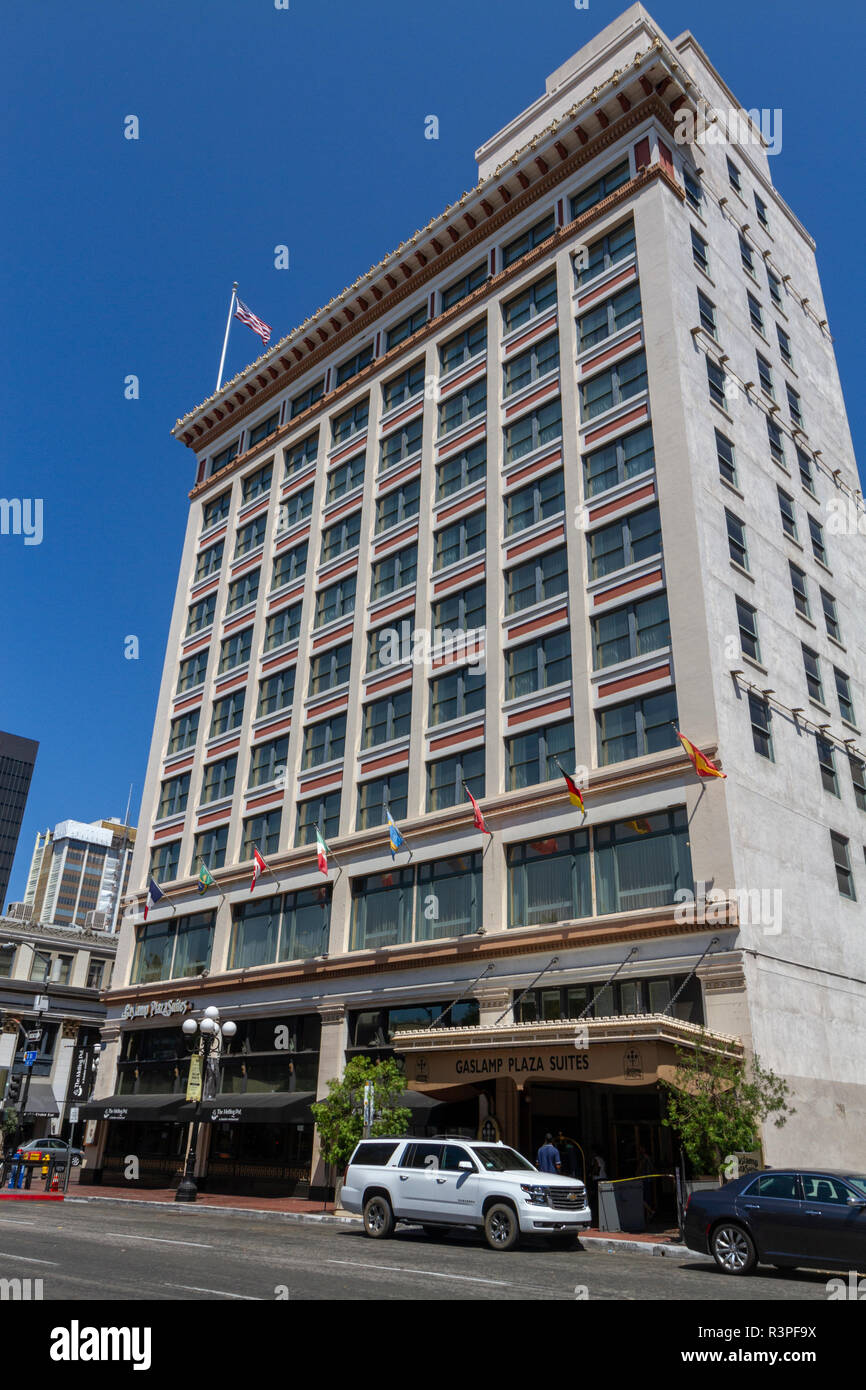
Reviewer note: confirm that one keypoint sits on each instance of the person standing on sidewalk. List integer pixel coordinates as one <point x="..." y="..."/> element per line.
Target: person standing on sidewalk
<point x="548" y="1159"/>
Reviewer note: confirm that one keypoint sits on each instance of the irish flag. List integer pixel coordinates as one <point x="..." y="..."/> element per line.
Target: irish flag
<point x="321" y="853"/>
<point x="700" y="762"/>
<point x="259" y="868"/>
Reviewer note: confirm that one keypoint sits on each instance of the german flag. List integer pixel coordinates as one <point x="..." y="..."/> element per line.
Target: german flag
<point x="574" y="795"/>
<point x="700" y="762"/>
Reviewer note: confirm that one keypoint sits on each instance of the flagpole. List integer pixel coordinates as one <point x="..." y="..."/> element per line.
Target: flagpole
<point x="213" y="880"/>
<point x="226" y="339"/>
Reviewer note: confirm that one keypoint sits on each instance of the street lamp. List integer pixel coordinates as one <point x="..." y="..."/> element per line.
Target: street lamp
<point x="209" y="1044"/>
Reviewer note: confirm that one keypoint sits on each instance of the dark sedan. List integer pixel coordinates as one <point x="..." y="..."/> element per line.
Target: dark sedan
<point x="783" y="1217"/>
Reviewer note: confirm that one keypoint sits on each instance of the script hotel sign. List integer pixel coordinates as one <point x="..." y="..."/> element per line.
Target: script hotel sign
<point x="157" y="1008"/>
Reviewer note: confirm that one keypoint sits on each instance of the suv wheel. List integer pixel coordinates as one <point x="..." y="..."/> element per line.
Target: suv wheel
<point x="501" y="1227"/>
<point x="378" y="1218"/>
<point x="733" y="1249"/>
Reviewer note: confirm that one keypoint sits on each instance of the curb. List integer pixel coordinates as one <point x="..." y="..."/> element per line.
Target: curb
<point x="601" y="1245"/>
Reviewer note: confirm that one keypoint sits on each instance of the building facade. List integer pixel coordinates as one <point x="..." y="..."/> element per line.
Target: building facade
<point x="79" y="873"/>
<point x="17" y="760"/>
<point x="607" y="369"/>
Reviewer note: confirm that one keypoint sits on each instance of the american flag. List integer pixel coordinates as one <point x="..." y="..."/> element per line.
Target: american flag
<point x="256" y="324"/>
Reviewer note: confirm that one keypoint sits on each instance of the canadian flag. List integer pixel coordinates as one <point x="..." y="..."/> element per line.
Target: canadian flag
<point x="259" y="868"/>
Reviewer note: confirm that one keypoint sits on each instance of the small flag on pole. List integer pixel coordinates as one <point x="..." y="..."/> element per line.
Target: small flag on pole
<point x="700" y="762"/>
<point x="476" y="809"/>
<point x="574" y="793"/>
<point x="154" y="893"/>
<point x="253" y="321"/>
<point x="321" y="853"/>
<point x="259" y="868"/>
<point x="205" y="879"/>
<point x="396" y="839"/>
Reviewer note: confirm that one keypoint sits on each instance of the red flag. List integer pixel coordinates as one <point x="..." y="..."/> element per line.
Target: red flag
<point x="477" y="816"/>
<point x="700" y="762"/>
<point x="259" y="868"/>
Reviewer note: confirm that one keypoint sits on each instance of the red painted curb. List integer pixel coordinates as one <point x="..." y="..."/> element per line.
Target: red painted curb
<point x="32" y="1196"/>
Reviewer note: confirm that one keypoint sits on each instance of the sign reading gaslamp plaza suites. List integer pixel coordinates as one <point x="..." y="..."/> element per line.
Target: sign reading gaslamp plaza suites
<point x="612" y="1063"/>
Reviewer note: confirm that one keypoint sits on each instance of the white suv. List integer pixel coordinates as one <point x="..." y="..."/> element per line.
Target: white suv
<point x="461" y="1182"/>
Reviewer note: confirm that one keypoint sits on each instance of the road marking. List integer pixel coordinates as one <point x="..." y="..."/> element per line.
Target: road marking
<point x="10" y="1221"/>
<point x="221" y="1293"/>
<point x="425" y="1273"/>
<point x="29" y="1258"/>
<point x="162" y="1240"/>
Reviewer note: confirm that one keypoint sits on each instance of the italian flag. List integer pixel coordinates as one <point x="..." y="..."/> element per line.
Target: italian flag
<point x="321" y="853"/>
<point x="259" y="868"/>
<point x="700" y="762"/>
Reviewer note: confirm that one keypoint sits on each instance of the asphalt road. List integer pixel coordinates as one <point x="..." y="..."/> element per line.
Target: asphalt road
<point x="108" y="1251"/>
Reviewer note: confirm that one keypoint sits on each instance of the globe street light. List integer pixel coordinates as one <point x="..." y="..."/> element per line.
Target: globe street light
<point x="211" y="1033"/>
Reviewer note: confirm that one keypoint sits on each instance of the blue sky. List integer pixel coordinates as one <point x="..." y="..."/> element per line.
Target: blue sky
<point x="259" y="127"/>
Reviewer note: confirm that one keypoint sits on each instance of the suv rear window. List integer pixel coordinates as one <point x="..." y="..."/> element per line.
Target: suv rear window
<point x="373" y="1155"/>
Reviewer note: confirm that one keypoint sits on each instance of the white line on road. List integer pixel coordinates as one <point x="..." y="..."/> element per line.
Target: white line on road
<point x="426" y="1273"/>
<point x="162" y="1240"/>
<point x="28" y="1258"/>
<point x="221" y="1293"/>
<point x="10" y="1221"/>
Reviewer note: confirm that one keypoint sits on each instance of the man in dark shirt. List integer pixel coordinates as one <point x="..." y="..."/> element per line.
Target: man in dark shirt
<point x="548" y="1159"/>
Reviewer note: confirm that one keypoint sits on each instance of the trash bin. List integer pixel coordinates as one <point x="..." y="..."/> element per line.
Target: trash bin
<point x="608" y="1215"/>
<point x="629" y="1201"/>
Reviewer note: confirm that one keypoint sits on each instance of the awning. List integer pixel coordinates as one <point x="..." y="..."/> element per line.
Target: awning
<point x="254" y="1107"/>
<point x="142" y="1107"/>
<point x="41" y="1101"/>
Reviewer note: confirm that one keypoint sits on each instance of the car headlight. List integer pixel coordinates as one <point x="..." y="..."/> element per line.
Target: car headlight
<point x="535" y="1193"/>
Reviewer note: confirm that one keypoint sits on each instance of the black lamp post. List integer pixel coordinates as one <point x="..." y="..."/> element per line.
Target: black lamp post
<point x="212" y="1033"/>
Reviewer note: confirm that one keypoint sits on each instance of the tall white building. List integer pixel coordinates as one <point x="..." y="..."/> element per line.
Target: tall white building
<point x="79" y="873"/>
<point x="568" y="469"/>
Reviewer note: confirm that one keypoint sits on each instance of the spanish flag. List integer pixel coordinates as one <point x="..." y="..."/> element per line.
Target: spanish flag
<point x="702" y="765"/>
<point x="574" y="795"/>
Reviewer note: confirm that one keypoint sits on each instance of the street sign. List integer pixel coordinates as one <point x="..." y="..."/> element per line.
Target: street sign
<point x="73" y="1114"/>
<point x="34" y="1036"/>
<point x="29" y="1058"/>
<point x="40" y="1003"/>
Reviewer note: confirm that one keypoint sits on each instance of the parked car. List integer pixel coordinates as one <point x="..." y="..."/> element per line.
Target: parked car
<point x="50" y="1147"/>
<point x="461" y="1182"/>
<point x="783" y="1217"/>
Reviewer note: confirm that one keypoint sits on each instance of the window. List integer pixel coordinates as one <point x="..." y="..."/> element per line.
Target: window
<point x="465" y="611"/>
<point x="843" y="691"/>
<point x="176" y="948"/>
<point x="320" y="813"/>
<point x="282" y="627"/>
<point x="263" y="429"/>
<point x="307" y="398"/>
<point x="537" y="361"/>
<point x="325" y="741"/>
<point x="255" y="484"/>
<point x="388" y="718"/>
<point x="459" y="540"/>
<point x="268" y="761"/>
<point x="627" y="457"/>
<point x="632" y="631"/>
<point x="395" y="571"/>
<point x="529" y="239"/>
<point x="716" y="383"/>
<point x="794" y="408"/>
<point x="344" y="535"/>
<point x="827" y="765"/>
<point x="377" y="798"/>
<point x="636" y="728"/>
<point x="235" y="650"/>
<point x="607" y="318"/>
<point x="613" y="386"/>
<point x="382" y="909"/>
<point x="403" y="387"/>
<point x="401" y="444"/>
<point x="191" y="672"/>
<point x="533" y="431"/>
<point x="354" y="364"/>
<point x="336" y="601"/>
<point x="725" y="456"/>
<point x="276" y="692"/>
<point x="831" y="617"/>
<point x="765" y="376"/>
<point x="759" y="715"/>
<point x="7" y="957"/>
<point x="351" y="421"/>
<point x="635" y="537"/>
<point x="445" y="778"/>
<point x="700" y="252"/>
<point x="707" y="314"/>
<point x="464" y="286"/>
<point x="537" y="580"/>
<point x="756" y="313"/>
<point x="251" y="535"/>
<point x="789" y="520"/>
<point x="642" y="863"/>
<point x="777" y="447"/>
<point x="549" y="880"/>
<point x="463" y="406"/>
<point x="95" y="973"/>
<point x="858" y="780"/>
<point x="216" y="510"/>
<point x="228" y="713"/>
<point x="601" y="255"/>
<point x="761" y="210"/>
<point x="816" y="534"/>
<point x="219" y="779"/>
<point x="461" y="469"/>
<point x="775" y="286"/>
<point x="448" y="903"/>
<point x="456" y="694"/>
<point x="201" y="614"/>
<point x="531" y="302"/>
<point x="225" y="457"/>
<point x="183" y="732"/>
<point x="798" y="584"/>
<point x="784" y="346"/>
<point x="398" y="505"/>
<point x="594" y="192"/>
<point x="844" y="876"/>
<point x="243" y="591"/>
<point x="539" y="499"/>
<point x="405" y="328"/>
<point x="209" y="561"/>
<point x="295" y="509"/>
<point x="330" y="668"/>
<point x="209" y="848"/>
<point x="262" y="833"/>
<point x="532" y="757"/>
<point x="747" y="621"/>
<point x="346" y="478"/>
<point x="464" y="346"/>
<point x="302" y="455"/>
<point x="165" y="862"/>
<point x="536" y="665"/>
<point x="389" y="645"/>
<point x="734" y="177"/>
<point x="746" y="254"/>
<point x="694" y="192"/>
<point x="812" y="668"/>
<point x="805" y="466"/>
<point x="290" y="565"/>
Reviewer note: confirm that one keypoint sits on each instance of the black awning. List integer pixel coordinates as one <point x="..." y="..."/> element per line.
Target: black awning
<point x="143" y="1107"/>
<point x="255" y="1107"/>
<point x="41" y="1101"/>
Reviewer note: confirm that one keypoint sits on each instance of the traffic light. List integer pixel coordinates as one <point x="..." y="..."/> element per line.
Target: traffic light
<point x="13" y="1090"/>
